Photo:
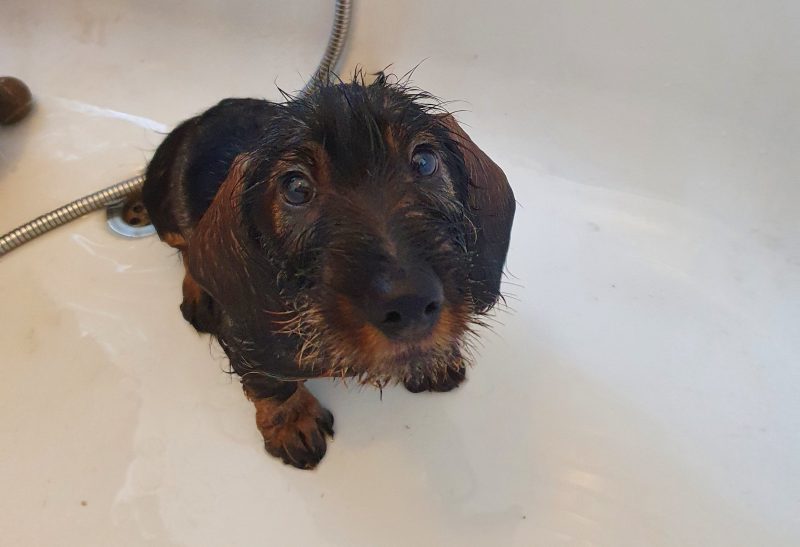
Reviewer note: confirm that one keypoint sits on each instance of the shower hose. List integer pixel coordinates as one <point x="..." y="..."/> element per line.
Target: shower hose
<point x="117" y="192"/>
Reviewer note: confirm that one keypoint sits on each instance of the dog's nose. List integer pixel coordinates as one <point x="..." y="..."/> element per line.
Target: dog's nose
<point x="405" y="306"/>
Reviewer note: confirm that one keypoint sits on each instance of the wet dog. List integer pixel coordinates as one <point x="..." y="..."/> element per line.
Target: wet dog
<point x="356" y="231"/>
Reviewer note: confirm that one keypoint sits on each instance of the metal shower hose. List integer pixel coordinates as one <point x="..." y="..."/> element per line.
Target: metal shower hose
<point x="117" y="192"/>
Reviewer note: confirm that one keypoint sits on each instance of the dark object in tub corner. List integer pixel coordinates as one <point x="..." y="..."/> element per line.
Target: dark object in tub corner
<point x="16" y="100"/>
<point x="354" y="232"/>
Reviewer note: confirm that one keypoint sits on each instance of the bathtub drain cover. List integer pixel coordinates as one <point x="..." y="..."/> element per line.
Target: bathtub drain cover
<point x="129" y="218"/>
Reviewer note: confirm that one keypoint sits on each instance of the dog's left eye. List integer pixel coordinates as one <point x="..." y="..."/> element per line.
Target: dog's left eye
<point x="424" y="162"/>
<point x="297" y="190"/>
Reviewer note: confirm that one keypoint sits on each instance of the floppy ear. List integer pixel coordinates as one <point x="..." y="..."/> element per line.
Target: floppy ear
<point x="219" y="253"/>
<point x="231" y="266"/>
<point x="491" y="209"/>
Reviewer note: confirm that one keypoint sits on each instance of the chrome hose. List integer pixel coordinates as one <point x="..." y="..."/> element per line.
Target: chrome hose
<point x="70" y="211"/>
<point x="333" y="51"/>
<point x="119" y="191"/>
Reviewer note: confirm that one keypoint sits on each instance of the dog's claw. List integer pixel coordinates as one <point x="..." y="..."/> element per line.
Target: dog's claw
<point x="295" y="431"/>
<point x="325" y="422"/>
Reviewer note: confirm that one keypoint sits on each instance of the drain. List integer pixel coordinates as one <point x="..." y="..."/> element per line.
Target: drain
<point x="129" y="217"/>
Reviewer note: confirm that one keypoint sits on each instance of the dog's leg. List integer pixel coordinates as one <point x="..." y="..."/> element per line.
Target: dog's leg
<point x="198" y="308"/>
<point x="290" y="419"/>
<point x="451" y="379"/>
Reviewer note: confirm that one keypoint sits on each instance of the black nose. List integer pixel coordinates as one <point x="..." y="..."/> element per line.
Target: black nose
<point x="405" y="305"/>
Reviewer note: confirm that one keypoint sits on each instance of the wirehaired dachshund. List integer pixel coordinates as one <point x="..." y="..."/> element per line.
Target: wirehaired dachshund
<point x="352" y="232"/>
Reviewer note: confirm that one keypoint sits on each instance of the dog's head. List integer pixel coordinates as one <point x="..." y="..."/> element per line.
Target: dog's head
<point x="364" y="237"/>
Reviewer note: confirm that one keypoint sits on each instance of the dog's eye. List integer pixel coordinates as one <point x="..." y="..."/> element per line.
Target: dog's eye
<point x="424" y="162"/>
<point x="297" y="190"/>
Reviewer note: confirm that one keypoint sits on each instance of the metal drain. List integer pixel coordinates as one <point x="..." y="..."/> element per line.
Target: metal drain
<point x="129" y="217"/>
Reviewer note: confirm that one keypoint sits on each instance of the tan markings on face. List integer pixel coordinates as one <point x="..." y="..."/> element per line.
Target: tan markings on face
<point x="276" y="212"/>
<point x="367" y="340"/>
<point x="449" y="326"/>
<point x="364" y="338"/>
<point x="321" y="168"/>
<point x="391" y="136"/>
<point x="319" y="175"/>
<point x="449" y="187"/>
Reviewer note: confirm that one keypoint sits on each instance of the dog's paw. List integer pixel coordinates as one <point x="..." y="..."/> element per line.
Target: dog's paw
<point x="201" y="312"/>
<point x="295" y="431"/>
<point x="452" y="378"/>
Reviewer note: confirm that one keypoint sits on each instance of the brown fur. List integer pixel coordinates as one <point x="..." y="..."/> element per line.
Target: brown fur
<point x="302" y="290"/>
<point x="294" y="430"/>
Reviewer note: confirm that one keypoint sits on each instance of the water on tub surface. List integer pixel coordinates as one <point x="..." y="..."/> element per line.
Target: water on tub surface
<point x="639" y="389"/>
<point x="630" y="389"/>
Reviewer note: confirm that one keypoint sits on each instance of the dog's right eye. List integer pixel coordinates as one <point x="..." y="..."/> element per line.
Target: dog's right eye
<point x="424" y="161"/>
<point x="296" y="189"/>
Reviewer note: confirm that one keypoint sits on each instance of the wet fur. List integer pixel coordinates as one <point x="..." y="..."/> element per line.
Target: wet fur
<point x="280" y="292"/>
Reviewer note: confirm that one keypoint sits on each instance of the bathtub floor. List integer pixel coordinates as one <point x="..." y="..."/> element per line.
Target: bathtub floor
<point x="640" y="388"/>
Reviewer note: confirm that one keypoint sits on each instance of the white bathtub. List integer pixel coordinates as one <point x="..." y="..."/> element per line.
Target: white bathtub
<point x="642" y="389"/>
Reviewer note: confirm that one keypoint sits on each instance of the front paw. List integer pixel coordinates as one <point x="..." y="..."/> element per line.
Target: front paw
<point x="295" y="430"/>
<point x="448" y="381"/>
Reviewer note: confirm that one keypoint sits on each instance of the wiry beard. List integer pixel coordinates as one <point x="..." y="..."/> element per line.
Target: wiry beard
<point x="306" y="315"/>
<point x="337" y="353"/>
